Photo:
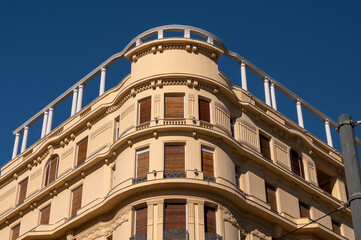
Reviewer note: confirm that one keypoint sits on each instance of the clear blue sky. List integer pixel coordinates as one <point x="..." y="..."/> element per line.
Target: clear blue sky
<point x="311" y="47"/>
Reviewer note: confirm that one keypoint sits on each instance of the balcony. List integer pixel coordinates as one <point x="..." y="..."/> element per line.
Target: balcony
<point x="140" y="179"/>
<point x="142" y="236"/>
<point x="174" y="174"/>
<point x="209" y="179"/>
<point x="175" y="234"/>
<point x="213" y="236"/>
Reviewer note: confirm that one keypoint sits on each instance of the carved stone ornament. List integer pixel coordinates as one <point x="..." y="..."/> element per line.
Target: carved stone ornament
<point x="228" y="217"/>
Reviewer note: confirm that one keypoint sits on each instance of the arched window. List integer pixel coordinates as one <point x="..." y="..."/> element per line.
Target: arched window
<point x="296" y="164"/>
<point x="51" y="170"/>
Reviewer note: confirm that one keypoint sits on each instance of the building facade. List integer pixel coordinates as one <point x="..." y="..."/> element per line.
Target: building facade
<point x="174" y="151"/>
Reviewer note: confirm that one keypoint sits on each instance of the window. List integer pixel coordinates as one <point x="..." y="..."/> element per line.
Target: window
<point x="142" y="162"/>
<point x="82" y="151"/>
<point x="51" y="170"/>
<point x="116" y="133"/>
<point x="304" y="210"/>
<point x="144" y="110"/>
<point x="15" y="232"/>
<point x="113" y="175"/>
<point x="45" y="215"/>
<point x="336" y="226"/>
<point x="76" y="202"/>
<point x="210" y="220"/>
<point x="174" y="156"/>
<point x="204" y="110"/>
<point x="174" y="219"/>
<point x="237" y="174"/>
<point x="324" y="180"/>
<point x="207" y="162"/>
<point x="232" y="122"/>
<point x="174" y="106"/>
<point x="141" y="221"/>
<point x="23" y="186"/>
<point x="271" y="196"/>
<point x="265" y="146"/>
<point x="296" y="164"/>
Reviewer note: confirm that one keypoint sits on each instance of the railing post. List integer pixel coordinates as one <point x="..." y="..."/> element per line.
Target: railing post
<point x="210" y="40"/>
<point x="273" y="96"/>
<point x="45" y="123"/>
<point x="299" y="113"/>
<point x="266" y="91"/>
<point x="74" y="103"/>
<point x="138" y="42"/>
<point x="16" y="145"/>
<point x="328" y="133"/>
<point x="243" y="76"/>
<point x="80" y="98"/>
<point x="160" y="34"/>
<point x="50" y="120"/>
<point x="187" y="33"/>
<point x="25" y="138"/>
<point x="102" y="80"/>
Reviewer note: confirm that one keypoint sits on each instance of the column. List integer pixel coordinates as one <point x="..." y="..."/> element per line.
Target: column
<point x="210" y="40"/>
<point x="160" y="34"/>
<point x="102" y="80"/>
<point x="16" y="145"/>
<point x="50" y="120"/>
<point x="299" y="113"/>
<point x="80" y="98"/>
<point x="187" y="33"/>
<point x="45" y="123"/>
<point x="273" y="96"/>
<point x="25" y="138"/>
<point x="243" y="76"/>
<point x="328" y="133"/>
<point x="266" y="91"/>
<point x="138" y="42"/>
<point x="74" y="103"/>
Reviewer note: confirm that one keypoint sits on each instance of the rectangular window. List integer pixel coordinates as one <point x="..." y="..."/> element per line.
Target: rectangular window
<point x="232" y="122"/>
<point x="174" y="156"/>
<point x="336" y="226"/>
<point x="15" y="232"/>
<point x="142" y="163"/>
<point x="141" y="220"/>
<point x="51" y="171"/>
<point x="174" y="106"/>
<point x="45" y="215"/>
<point x="265" y="146"/>
<point x="237" y="175"/>
<point x="296" y="164"/>
<point x="210" y="219"/>
<point x="324" y="180"/>
<point x="23" y="186"/>
<point x="116" y="132"/>
<point x="174" y="216"/>
<point x="76" y="202"/>
<point x="271" y="196"/>
<point x="144" y="110"/>
<point x="304" y="210"/>
<point x="82" y="151"/>
<point x="207" y="162"/>
<point x="204" y="110"/>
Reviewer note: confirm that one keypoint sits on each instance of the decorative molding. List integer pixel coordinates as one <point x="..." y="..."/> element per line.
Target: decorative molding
<point x="282" y="154"/>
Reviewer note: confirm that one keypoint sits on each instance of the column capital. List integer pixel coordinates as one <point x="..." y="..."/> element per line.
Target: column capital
<point x="27" y="127"/>
<point x="46" y="112"/>
<point x="243" y="64"/>
<point x="81" y="85"/>
<point x="104" y="69"/>
<point x="266" y="79"/>
<point x="326" y="121"/>
<point x="17" y="134"/>
<point x="75" y="89"/>
<point x="298" y="101"/>
<point x="51" y="108"/>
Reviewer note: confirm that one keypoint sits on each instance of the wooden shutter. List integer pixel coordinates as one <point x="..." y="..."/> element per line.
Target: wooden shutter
<point x="265" y="148"/>
<point x="271" y="196"/>
<point x="174" y="106"/>
<point x="174" y="158"/>
<point x="53" y="169"/>
<point x="23" y="186"/>
<point x="204" y="110"/>
<point x="45" y="215"/>
<point x="141" y="220"/>
<point x="175" y="216"/>
<point x="144" y="111"/>
<point x="142" y="163"/>
<point x="207" y="162"/>
<point x="82" y="149"/>
<point x="76" y="203"/>
<point x="297" y="165"/>
<point x="47" y="172"/>
<point x="336" y="226"/>
<point x="210" y="219"/>
<point x="304" y="210"/>
<point x="15" y="231"/>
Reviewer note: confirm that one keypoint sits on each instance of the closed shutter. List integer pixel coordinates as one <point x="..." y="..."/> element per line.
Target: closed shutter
<point x="142" y="163"/>
<point x="23" y="186"/>
<point x="265" y="148"/>
<point x="174" y="158"/>
<point x="304" y="210"/>
<point x="141" y="220"/>
<point x="297" y="165"/>
<point x="76" y="203"/>
<point x="210" y="219"/>
<point x="175" y="216"/>
<point x="204" y="110"/>
<point x="271" y="196"/>
<point x="82" y="149"/>
<point x="144" y="111"/>
<point x="45" y="215"/>
<point x="336" y="226"/>
<point x="207" y="162"/>
<point x="53" y="169"/>
<point x="174" y="106"/>
<point x="15" y="231"/>
<point x="47" y="173"/>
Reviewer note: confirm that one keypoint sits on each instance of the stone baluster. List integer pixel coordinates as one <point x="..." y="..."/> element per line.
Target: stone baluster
<point x="80" y="98"/>
<point x="243" y="76"/>
<point x="160" y="34"/>
<point x="74" y="103"/>
<point x="50" y="120"/>
<point x="328" y="133"/>
<point x="266" y="91"/>
<point x="16" y="145"/>
<point x="45" y="123"/>
<point x="25" y="138"/>
<point x="102" y="80"/>
<point x="273" y="96"/>
<point x="299" y="113"/>
<point x="187" y="33"/>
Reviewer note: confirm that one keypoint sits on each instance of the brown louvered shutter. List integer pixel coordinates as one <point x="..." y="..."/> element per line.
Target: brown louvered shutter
<point x="336" y="226"/>
<point x="47" y="172"/>
<point x="141" y="220"/>
<point x="15" y="232"/>
<point x="210" y="219"/>
<point x="204" y="110"/>
<point x="265" y="148"/>
<point x="53" y="169"/>
<point x="304" y="210"/>
<point x="297" y="165"/>
<point x="207" y="162"/>
<point x="76" y="203"/>
<point x="175" y="216"/>
<point x="271" y="196"/>
<point x="45" y="215"/>
<point x="82" y="149"/>
<point x="174" y="158"/>
<point x="144" y="110"/>
<point x="23" y="186"/>
<point x="142" y="163"/>
<point x="174" y="106"/>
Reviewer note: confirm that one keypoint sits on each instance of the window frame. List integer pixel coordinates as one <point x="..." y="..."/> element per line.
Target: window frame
<point x="275" y="195"/>
<point x="165" y="104"/>
<point x="17" y="226"/>
<point x="300" y="164"/>
<point x="41" y="214"/>
<point x="48" y="164"/>
<point x="200" y="98"/>
<point x="208" y="150"/>
<point x="185" y="154"/>
<point x="137" y="152"/>
<point x="77" y="151"/>
<point x="72" y="200"/>
<point x="20" y="185"/>
<point x="139" y="110"/>
<point x="268" y="138"/>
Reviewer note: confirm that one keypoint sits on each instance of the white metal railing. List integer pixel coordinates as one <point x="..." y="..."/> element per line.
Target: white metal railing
<point x="77" y="89"/>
